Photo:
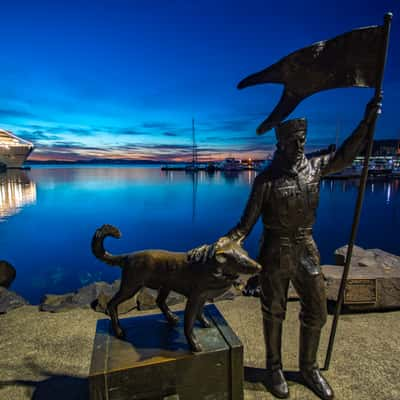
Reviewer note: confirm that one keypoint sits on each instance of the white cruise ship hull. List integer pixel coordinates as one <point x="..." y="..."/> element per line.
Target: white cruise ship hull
<point x="13" y="150"/>
<point x="15" y="156"/>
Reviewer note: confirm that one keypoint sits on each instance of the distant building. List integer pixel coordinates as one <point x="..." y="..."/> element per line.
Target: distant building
<point x="385" y="154"/>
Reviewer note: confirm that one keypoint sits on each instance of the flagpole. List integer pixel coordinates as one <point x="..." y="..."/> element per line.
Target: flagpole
<point x="360" y="197"/>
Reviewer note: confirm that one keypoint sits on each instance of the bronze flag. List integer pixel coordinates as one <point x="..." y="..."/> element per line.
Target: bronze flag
<point x="351" y="59"/>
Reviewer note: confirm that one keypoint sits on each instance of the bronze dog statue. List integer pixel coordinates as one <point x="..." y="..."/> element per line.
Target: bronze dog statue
<point x="165" y="271"/>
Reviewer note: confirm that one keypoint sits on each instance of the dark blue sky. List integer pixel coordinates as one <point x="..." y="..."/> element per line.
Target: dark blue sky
<point x="123" y="78"/>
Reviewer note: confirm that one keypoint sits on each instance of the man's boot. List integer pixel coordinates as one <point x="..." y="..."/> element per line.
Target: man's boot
<point x="275" y="379"/>
<point x="309" y="341"/>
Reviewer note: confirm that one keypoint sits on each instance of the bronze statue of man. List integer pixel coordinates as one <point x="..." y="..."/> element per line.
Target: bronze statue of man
<point x="286" y="196"/>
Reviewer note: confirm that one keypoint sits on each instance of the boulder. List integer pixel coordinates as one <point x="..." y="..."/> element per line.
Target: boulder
<point x="98" y="294"/>
<point x="57" y="302"/>
<point x="385" y="258"/>
<point x="240" y="286"/>
<point x="369" y="261"/>
<point x="175" y="298"/>
<point x="85" y="297"/>
<point x="7" y="274"/>
<point x="10" y="300"/>
<point x="373" y="281"/>
<point x="340" y="254"/>
<point x="332" y="275"/>
<point x="146" y="299"/>
<point x="368" y="257"/>
<point x="100" y="305"/>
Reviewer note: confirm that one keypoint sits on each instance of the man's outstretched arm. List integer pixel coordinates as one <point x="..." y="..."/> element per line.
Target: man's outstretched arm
<point x="249" y="217"/>
<point x="354" y="144"/>
<point x="251" y="212"/>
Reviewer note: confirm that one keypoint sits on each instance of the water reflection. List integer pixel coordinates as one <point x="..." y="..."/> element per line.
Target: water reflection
<point x="388" y="187"/>
<point x="195" y="177"/>
<point x="172" y="210"/>
<point x="388" y="193"/>
<point x="16" y="191"/>
<point x="241" y="177"/>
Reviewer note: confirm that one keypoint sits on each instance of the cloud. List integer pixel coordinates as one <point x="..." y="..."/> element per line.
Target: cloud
<point x="80" y="131"/>
<point x="162" y="152"/>
<point x="48" y="131"/>
<point x="71" y="145"/>
<point x="13" y="113"/>
<point x="149" y="151"/>
<point x="183" y="148"/>
<point x="158" y="125"/>
<point x="36" y="135"/>
<point x="245" y="122"/>
<point x="127" y="131"/>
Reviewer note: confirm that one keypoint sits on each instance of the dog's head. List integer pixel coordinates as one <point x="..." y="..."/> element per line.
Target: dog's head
<point x="233" y="260"/>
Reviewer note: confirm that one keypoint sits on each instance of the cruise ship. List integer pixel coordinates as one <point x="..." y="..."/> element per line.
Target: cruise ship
<point x="13" y="150"/>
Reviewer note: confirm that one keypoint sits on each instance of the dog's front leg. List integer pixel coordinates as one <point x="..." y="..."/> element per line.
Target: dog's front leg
<point x="201" y="317"/>
<point x="191" y="312"/>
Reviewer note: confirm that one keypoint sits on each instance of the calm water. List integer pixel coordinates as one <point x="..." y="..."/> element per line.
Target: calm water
<point x="48" y="216"/>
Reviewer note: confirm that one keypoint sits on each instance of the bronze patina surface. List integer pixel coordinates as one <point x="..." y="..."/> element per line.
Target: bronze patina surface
<point x="155" y="361"/>
<point x="165" y="271"/>
<point x="348" y="60"/>
<point x="286" y="196"/>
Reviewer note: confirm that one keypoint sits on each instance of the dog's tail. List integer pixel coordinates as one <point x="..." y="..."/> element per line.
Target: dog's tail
<point x="98" y="245"/>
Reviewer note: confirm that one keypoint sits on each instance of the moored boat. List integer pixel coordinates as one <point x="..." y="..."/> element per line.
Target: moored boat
<point x="231" y="164"/>
<point x="13" y="150"/>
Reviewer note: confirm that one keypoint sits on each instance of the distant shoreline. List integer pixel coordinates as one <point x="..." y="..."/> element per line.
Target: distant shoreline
<point x="114" y="162"/>
<point x="94" y="162"/>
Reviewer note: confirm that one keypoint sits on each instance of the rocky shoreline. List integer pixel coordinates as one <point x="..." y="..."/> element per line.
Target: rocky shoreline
<point x="373" y="264"/>
<point x="96" y="296"/>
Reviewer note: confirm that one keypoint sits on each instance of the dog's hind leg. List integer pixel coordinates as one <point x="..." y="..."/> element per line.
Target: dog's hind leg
<point x="124" y="293"/>
<point x="191" y="312"/>
<point x="161" y="302"/>
<point x="202" y="318"/>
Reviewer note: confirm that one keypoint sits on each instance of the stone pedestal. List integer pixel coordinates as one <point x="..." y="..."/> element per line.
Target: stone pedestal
<point x="373" y="282"/>
<point x="370" y="288"/>
<point x="155" y="362"/>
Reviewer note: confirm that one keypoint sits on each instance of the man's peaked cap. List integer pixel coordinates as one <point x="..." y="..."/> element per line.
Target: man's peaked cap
<point x="290" y="129"/>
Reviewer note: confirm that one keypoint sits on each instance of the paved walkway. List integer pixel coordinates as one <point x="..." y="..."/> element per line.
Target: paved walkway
<point x="365" y="363"/>
<point x="47" y="356"/>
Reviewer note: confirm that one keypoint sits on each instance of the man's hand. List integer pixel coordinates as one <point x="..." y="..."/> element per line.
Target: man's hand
<point x="206" y="251"/>
<point x="373" y="109"/>
<point x="199" y="254"/>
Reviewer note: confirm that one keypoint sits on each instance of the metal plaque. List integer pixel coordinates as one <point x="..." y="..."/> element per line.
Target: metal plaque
<point x="360" y="291"/>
